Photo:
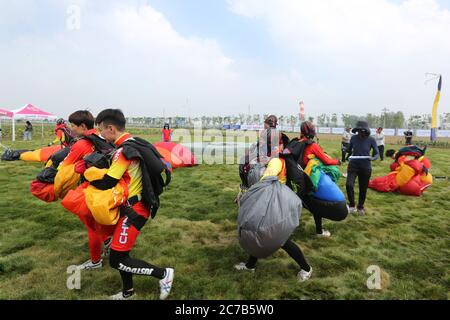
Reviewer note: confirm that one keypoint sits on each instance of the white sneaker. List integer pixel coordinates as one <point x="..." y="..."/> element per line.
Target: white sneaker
<point x="242" y="267"/>
<point x="351" y="210"/>
<point x="304" y="275"/>
<point x="88" y="265"/>
<point x="120" y="296"/>
<point x="106" y="247"/>
<point x="166" y="283"/>
<point x="324" y="234"/>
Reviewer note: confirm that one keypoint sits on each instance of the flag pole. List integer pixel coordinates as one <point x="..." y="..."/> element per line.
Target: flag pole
<point x="434" y="114"/>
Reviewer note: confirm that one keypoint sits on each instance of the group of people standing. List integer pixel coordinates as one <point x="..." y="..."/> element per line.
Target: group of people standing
<point x="279" y="156"/>
<point x="288" y="160"/>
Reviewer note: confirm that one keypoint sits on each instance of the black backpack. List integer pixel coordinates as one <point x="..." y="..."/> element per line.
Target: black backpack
<point x="297" y="179"/>
<point x="48" y="174"/>
<point x="101" y="157"/>
<point x="59" y="156"/>
<point x="152" y="167"/>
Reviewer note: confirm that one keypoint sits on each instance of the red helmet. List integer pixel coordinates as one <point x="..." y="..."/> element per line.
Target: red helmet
<point x="308" y="130"/>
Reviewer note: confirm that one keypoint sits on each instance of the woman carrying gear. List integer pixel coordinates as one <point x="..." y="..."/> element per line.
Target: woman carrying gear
<point x="276" y="168"/>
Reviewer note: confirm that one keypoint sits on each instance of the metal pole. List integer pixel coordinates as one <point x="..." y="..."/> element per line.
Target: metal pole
<point x="13" y="129"/>
<point x="385" y="110"/>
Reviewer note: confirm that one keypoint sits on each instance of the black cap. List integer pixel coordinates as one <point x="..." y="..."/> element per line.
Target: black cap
<point x="361" y="126"/>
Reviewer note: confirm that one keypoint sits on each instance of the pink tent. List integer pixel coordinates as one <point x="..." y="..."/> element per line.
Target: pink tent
<point x="6" y="113"/>
<point x="30" y="112"/>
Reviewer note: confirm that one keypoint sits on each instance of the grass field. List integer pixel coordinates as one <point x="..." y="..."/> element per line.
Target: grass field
<point x="195" y="232"/>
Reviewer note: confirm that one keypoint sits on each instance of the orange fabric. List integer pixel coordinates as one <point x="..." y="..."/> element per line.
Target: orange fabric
<point x="416" y="165"/>
<point x="426" y="162"/>
<point x="80" y="149"/>
<point x="39" y="155"/>
<point x="75" y="201"/>
<point x="122" y="139"/>
<point x="414" y="187"/>
<point x="171" y="158"/>
<point x="176" y="154"/>
<point x="384" y="184"/>
<point x="426" y="178"/>
<point x="315" y="149"/>
<point x="405" y="173"/>
<point x="276" y="167"/>
<point x="104" y="204"/>
<point x="31" y="156"/>
<point x="66" y="179"/>
<point x="43" y="191"/>
<point x="47" y="152"/>
<point x="59" y="135"/>
<point x="394" y="166"/>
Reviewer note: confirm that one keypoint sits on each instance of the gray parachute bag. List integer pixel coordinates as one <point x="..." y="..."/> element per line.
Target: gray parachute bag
<point x="255" y="173"/>
<point x="268" y="215"/>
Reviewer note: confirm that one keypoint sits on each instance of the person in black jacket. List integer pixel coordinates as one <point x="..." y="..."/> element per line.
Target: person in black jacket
<point x="360" y="164"/>
<point x="408" y="137"/>
<point x="28" y="131"/>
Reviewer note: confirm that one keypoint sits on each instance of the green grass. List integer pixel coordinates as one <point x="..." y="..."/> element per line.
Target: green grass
<point x="195" y="232"/>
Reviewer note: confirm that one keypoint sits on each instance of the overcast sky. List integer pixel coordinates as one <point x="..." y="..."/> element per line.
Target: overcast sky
<point x="221" y="57"/>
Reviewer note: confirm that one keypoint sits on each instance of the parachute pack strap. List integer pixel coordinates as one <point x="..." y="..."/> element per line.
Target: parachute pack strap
<point x="359" y="157"/>
<point x="168" y="177"/>
<point x="257" y="151"/>
<point x="134" y="219"/>
<point x="100" y="144"/>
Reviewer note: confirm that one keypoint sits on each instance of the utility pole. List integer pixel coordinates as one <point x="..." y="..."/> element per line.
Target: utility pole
<point x="385" y="110"/>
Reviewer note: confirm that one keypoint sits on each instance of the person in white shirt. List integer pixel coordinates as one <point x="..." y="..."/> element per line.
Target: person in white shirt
<point x="379" y="138"/>
<point x="346" y="136"/>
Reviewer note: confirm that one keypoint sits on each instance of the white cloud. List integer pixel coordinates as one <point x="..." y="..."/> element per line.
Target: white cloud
<point x="128" y="56"/>
<point x="341" y="56"/>
<point x="371" y="53"/>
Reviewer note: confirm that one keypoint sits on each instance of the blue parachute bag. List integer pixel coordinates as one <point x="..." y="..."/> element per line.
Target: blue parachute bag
<point x="327" y="190"/>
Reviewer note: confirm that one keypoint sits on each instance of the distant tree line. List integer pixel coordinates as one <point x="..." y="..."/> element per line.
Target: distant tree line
<point x="394" y="120"/>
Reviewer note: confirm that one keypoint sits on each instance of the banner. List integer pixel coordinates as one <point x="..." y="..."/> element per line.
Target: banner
<point x="443" y="133"/>
<point x="286" y="128"/>
<point x="337" y="130"/>
<point x="423" y="133"/>
<point x="389" y="132"/>
<point x="400" y="132"/>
